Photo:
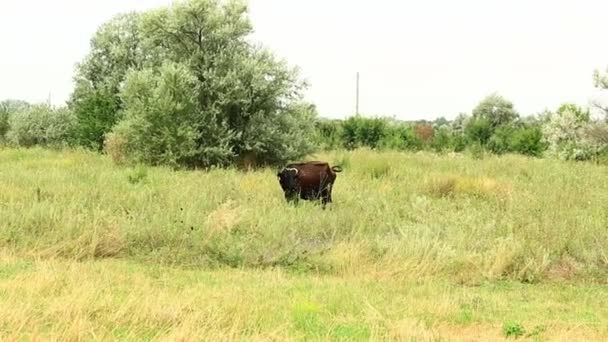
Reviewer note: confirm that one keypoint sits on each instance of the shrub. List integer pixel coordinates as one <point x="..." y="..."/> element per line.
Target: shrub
<point x="528" y="141"/>
<point x="328" y="133"/>
<point x="517" y="138"/>
<point x="358" y="131"/>
<point x="500" y="142"/>
<point x="42" y="125"/>
<point x="459" y="142"/>
<point x="7" y="109"/>
<point x="513" y="329"/>
<point x="442" y="140"/>
<point x="402" y="137"/>
<point x="565" y="133"/>
<point x="479" y="131"/>
<point x="424" y="132"/>
<point x="161" y="122"/>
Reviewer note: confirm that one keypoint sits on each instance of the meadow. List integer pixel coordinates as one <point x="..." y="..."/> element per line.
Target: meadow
<point x="416" y="246"/>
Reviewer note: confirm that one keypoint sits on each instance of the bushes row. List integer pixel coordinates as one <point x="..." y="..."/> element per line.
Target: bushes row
<point x="147" y="132"/>
<point x="381" y="133"/>
<point x="26" y="125"/>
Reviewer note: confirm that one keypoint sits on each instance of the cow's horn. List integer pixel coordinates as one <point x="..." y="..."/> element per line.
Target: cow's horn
<point x="292" y="169"/>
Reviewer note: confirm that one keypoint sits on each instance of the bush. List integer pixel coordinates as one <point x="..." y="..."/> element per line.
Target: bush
<point x="565" y="133"/>
<point x="115" y="48"/>
<point x="478" y="131"/>
<point x="528" y="141"/>
<point x="328" y="133"/>
<point x="517" y="138"/>
<point x="424" y="132"/>
<point x="402" y="137"/>
<point x="358" y="131"/>
<point x="7" y="109"/>
<point x="161" y="121"/>
<point x="42" y="125"/>
<point x="500" y="142"/>
<point x="442" y="140"/>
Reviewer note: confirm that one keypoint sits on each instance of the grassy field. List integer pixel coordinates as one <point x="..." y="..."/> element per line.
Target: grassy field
<point x="416" y="246"/>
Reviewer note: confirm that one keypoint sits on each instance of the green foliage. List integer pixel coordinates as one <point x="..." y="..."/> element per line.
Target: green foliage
<point x="162" y="118"/>
<point x="402" y="137"/>
<point x="9" y="108"/>
<point x="528" y="141"/>
<point x="460" y="123"/>
<point x="580" y="114"/>
<point x="476" y="150"/>
<point x="496" y="110"/>
<point x="442" y="139"/>
<point x="517" y="138"/>
<point x="600" y="79"/>
<point x="358" y="131"/>
<point x="513" y="329"/>
<point x="116" y="47"/>
<point x="328" y="133"/>
<point x="566" y="132"/>
<point x="241" y="102"/>
<point x="479" y="131"/>
<point x="42" y="125"/>
<point x="500" y="142"/>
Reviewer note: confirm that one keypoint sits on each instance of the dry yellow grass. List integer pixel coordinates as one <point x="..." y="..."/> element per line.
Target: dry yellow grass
<point x="55" y="299"/>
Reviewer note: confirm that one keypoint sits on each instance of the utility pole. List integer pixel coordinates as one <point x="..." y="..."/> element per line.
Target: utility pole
<point x="357" y="105"/>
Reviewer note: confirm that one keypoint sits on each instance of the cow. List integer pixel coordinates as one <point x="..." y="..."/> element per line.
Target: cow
<point x="308" y="181"/>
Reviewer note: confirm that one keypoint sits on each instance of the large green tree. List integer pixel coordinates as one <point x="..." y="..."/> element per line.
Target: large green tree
<point x="248" y="104"/>
<point x="115" y="48"/>
<point x="496" y="110"/>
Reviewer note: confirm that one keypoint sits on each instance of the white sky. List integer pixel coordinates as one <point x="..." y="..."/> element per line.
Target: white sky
<point x="417" y="59"/>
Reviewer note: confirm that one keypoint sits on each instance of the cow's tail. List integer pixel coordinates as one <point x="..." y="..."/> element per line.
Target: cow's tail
<point x="336" y="168"/>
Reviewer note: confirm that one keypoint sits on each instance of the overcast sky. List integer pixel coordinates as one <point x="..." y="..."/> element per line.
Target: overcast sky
<point x="417" y="59"/>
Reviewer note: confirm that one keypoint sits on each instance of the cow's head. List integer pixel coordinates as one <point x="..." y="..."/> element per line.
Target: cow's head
<point x="288" y="178"/>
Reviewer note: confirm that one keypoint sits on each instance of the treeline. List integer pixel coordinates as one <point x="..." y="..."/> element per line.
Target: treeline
<point x="494" y="126"/>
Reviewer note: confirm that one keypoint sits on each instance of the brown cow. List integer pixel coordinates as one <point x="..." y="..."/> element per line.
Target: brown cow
<point x="309" y="181"/>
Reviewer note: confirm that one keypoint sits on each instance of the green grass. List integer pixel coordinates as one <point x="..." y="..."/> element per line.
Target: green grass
<point x="415" y="246"/>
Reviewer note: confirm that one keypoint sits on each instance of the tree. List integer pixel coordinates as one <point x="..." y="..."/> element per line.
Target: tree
<point x="424" y="132"/>
<point x="600" y="80"/>
<point x="478" y="130"/>
<point x="116" y="47"/>
<point x="42" y="124"/>
<point x="565" y="134"/>
<point x="496" y="110"/>
<point x="441" y="121"/>
<point x="460" y="122"/>
<point x="8" y="108"/>
<point x="246" y="99"/>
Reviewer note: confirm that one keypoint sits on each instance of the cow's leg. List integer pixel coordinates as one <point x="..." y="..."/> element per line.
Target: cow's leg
<point x="326" y="195"/>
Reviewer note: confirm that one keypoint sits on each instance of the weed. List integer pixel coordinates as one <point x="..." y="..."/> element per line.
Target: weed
<point x="513" y="329"/>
